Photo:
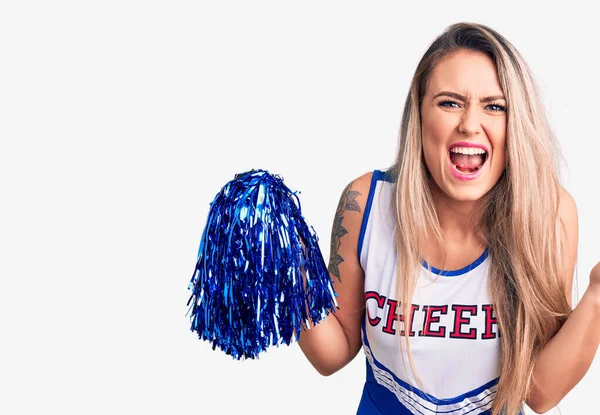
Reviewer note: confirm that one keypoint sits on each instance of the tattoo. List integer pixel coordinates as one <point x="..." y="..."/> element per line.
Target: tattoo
<point x="347" y="202"/>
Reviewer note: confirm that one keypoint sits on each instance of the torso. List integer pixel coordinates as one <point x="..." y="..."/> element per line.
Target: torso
<point x="456" y="352"/>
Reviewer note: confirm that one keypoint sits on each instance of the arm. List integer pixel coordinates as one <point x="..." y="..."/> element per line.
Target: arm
<point x="334" y="342"/>
<point x="567" y="357"/>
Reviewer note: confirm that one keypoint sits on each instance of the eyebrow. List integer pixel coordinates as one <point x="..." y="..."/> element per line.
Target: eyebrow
<point x="463" y="98"/>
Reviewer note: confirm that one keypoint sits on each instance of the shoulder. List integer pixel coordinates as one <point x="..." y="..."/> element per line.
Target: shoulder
<point x="351" y="209"/>
<point x="567" y="208"/>
<point x="569" y="228"/>
<point x="362" y="184"/>
<point x="568" y="216"/>
<point x="356" y="196"/>
<point x="355" y="193"/>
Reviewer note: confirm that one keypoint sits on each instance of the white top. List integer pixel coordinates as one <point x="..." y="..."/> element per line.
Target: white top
<point x="456" y="354"/>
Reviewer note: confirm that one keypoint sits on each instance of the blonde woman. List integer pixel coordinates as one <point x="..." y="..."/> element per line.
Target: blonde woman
<point x="454" y="266"/>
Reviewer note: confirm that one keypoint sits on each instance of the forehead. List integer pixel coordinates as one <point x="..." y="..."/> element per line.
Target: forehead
<point x="467" y="73"/>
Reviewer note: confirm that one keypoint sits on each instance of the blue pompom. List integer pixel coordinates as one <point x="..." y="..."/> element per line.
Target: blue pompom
<point x="248" y="289"/>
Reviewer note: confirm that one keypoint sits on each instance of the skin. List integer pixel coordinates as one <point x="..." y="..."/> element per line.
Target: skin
<point x="347" y="203"/>
<point x="447" y="119"/>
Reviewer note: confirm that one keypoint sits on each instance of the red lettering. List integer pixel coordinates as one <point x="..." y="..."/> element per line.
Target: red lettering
<point x="459" y="320"/>
<point x="391" y="317"/>
<point x="430" y="318"/>
<point x="490" y="320"/>
<point x="411" y="333"/>
<point x="380" y="303"/>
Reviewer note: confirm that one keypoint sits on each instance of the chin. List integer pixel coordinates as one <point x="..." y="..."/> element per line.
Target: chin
<point x="461" y="193"/>
<point x="471" y="195"/>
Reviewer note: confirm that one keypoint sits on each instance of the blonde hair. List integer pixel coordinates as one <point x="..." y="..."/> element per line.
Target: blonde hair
<point x="519" y="215"/>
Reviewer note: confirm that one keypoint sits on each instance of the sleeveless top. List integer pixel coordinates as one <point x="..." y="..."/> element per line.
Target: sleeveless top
<point x="454" y="335"/>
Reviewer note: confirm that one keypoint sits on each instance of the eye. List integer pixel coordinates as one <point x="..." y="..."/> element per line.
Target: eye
<point x="450" y="103"/>
<point x="500" y="108"/>
<point x="446" y="103"/>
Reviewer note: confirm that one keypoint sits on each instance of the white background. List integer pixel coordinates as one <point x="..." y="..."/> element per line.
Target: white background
<point x="121" y="120"/>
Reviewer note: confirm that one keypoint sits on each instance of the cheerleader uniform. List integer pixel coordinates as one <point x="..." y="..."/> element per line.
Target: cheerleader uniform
<point x="454" y="335"/>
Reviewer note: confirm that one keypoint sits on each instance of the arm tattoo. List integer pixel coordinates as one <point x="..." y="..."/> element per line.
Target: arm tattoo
<point x="347" y="202"/>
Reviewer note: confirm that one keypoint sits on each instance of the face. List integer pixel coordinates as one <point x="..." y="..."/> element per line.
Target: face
<point x="463" y="124"/>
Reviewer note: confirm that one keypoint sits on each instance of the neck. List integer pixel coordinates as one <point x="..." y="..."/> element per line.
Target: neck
<point x="458" y="219"/>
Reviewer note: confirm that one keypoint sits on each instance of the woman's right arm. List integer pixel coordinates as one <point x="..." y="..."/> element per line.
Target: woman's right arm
<point x="334" y="342"/>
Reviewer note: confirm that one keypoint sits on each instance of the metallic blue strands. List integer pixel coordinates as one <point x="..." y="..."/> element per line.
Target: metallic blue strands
<point x="248" y="289"/>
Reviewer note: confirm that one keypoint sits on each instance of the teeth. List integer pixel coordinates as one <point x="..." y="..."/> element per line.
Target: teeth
<point x="468" y="150"/>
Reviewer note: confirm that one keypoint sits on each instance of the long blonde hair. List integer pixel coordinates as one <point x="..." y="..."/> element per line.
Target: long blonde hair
<point x="519" y="224"/>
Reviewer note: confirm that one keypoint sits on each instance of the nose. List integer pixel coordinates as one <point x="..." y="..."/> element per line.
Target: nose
<point x="469" y="123"/>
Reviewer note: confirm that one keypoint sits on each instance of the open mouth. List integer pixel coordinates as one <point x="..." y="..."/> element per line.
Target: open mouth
<point x="467" y="160"/>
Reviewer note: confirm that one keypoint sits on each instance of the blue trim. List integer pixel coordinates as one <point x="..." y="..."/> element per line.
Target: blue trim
<point x="426" y="396"/>
<point x="378" y="175"/>
<point x="453" y="273"/>
<point x="363" y="226"/>
<point x="388" y="402"/>
<point x="384" y="176"/>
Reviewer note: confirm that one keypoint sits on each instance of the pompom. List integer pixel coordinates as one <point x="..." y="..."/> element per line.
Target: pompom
<point x="248" y="288"/>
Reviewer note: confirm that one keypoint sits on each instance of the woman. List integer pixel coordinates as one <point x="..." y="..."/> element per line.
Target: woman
<point x="467" y="243"/>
